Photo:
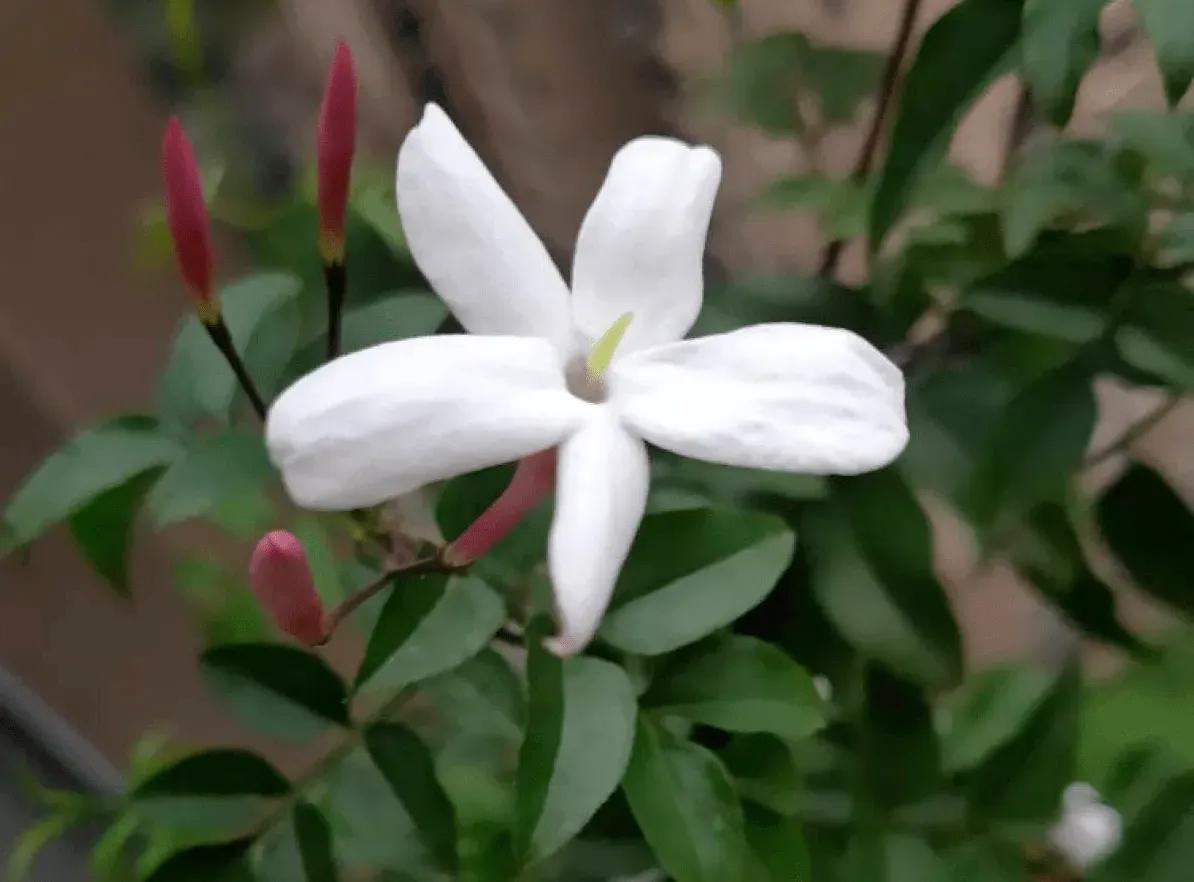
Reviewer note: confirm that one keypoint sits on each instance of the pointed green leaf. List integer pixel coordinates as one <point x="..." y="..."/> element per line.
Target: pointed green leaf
<point x="103" y="529"/>
<point x="314" y="838"/>
<point x="580" y="727"/>
<point x="211" y="471"/>
<point x="1060" y="43"/>
<point x="959" y="56"/>
<point x="1170" y="27"/>
<point x="429" y="624"/>
<point x="226" y="862"/>
<point x="741" y="685"/>
<point x="281" y="690"/>
<point x="684" y="801"/>
<point x="409" y="769"/>
<point x="672" y="590"/>
<point x="90" y="464"/>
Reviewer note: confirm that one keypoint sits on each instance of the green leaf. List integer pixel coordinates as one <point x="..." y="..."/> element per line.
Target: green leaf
<point x="739" y="684"/>
<point x="1156" y="335"/>
<point x="221" y="772"/>
<point x="1165" y="141"/>
<point x="991" y="710"/>
<point x="1023" y="779"/>
<point x="314" y="838"/>
<point x="895" y="858"/>
<point x="841" y="204"/>
<point x="1175" y="243"/>
<point x="1158" y="844"/>
<point x="1150" y="530"/>
<point x="1049" y="554"/>
<point x="959" y="56"/>
<point x="410" y="771"/>
<point x="672" y="590"/>
<point x="429" y="624"/>
<point x="207" y="474"/>
<point x="1062" y="288"/>
<point x="225" y="862"/>
<point x="391" y="317"/>
<point x="110" y="856"/>
<point x="897" y="722"/>
<point x="1060" y="43"/>
<point x="870" y="556"/>
<point x="103" y="529"/>
<point x="1038" y="445"/>
<point x="777" y="847"/>
<point x="1075" y="181"/>
<point x="1170" y="26"/>
<point x="313" y="535"/>
<point x="262" y="314"/>
<point x="684" y="802"/>
<point x="280" y="690"/>
<point x="580" y="728"/>
<point x="99" y="459"/>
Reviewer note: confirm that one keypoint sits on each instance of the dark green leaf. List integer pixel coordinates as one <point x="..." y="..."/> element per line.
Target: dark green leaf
<point x="742" y="685"/>
<point x="1164" y="140"/>
<point x="958" y="57"/>
<point x="580" y="728"/>
<point x="684" y="802"/>
<point x="409" y="769"/>
<point x="1049" y="554"/>
<point x="206" y="863"/>
<point x="1038" y="445"/>
<point x="1023" y="779"/>
<point x="990" y="711"/>
<point x="262" y="315"/>
<point x="430" y="624"/>
<point x="765" y="772"/>
<point x="33" y="840"/>
<point x="672" y="590"/>
<point x="1156" y="336"/>
<point x="777" y="847"/>
<point x="1158" y="844"/>
<point x="1151" y="530"/>
<point x="1170" y="27"/>
<point x="1077" y="181"/>
<point x="280" y="690"/>
<point x="207" y="474"/>
<point x="315" y="844"/>
<point x="221" y="772"/>
<point x="103" y="529"/>
<point x="870" y="553"/>
<point x="1060" y="43"/>
<point x="898" y="722"/>
<point x="92" y="463"/>
<point x="895" y="858"/>
<point x="1062" y="288"/>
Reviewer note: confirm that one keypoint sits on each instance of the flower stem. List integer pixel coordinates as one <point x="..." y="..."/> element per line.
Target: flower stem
<point x="870" y="147"/>
<point x="1133" y="433"/>
<point x="335" y="277"/>
<point x="218" y="331"/>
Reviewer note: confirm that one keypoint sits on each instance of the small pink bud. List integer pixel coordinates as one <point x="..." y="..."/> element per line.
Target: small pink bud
<point x="337" y="133"/>
<point x="281" y="580"/>
<point x="532" y="481"/>
<point x="186" y="215"/>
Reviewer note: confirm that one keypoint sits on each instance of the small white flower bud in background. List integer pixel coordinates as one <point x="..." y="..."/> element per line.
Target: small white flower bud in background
<point x="1088" y="831"/>
<point x="823" y="686"/>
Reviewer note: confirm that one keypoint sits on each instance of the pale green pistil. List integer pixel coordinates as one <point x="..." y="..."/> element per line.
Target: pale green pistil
<point x="603" y="350"/>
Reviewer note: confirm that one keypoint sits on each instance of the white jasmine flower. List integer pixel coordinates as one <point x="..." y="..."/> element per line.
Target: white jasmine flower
<point x="1088" y="831"/>
<point x="597" y="371"/>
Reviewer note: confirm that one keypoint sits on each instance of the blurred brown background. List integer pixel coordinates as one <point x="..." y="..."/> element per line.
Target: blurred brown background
<point x="545" y="89"/>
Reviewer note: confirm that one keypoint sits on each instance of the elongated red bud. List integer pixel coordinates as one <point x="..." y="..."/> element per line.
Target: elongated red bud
<point x="532" y="481"/>
<point x="337" y="135"/>
<point x="186" y="215"/>
<point x="282" y="582"/>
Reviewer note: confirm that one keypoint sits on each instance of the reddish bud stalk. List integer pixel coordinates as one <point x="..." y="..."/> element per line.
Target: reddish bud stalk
<point x="186" y="216"/>
<point x="335" y="147"/>
<point x="281" y="580"/>
<point x="532" y="481"/>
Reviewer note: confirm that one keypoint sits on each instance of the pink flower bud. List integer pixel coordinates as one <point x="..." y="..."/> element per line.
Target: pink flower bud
<point x="281" y="580"/>
<point x="337" y="133"/>
<point x="186" y="215"/>
<point x="532" y="481"/>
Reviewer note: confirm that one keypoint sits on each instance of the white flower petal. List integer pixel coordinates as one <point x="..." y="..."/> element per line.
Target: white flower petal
<point x="642" y="243"/>
<point x="786" y="397"/>
<point x="601" y="491"/>
<point x="1088" y="831"/>
<point x="378" y="423"/>
<point x="471" y="242"/>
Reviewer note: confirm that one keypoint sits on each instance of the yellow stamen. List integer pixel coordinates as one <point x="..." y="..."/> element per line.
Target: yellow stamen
<point x="602" y="352"/>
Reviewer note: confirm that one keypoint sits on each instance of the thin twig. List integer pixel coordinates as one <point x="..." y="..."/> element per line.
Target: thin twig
<point x="218" y="331"/>
<point x="1133" y="433"/>
<point x="870" y="147"/>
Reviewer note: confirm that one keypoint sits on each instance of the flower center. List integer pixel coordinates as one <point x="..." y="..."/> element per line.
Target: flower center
<point x="586" y="379"/>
